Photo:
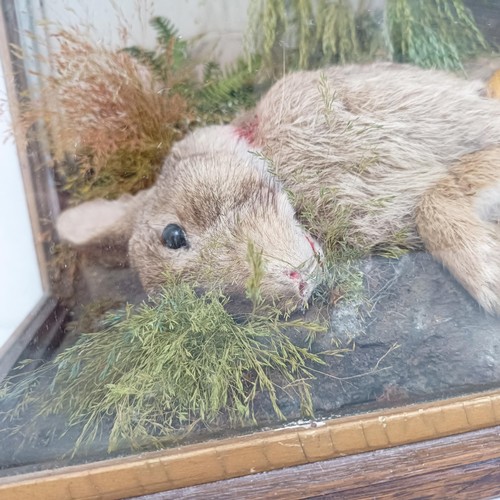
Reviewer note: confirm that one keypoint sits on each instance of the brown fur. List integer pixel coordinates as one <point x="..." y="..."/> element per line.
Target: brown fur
<point x="223" y="199"/>
<point x="405" y="150"/>
<point x="458" y="224"/>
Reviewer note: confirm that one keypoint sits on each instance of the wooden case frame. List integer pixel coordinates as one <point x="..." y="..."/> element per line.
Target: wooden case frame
<point x="42" y="325"/>
<point x="266" y="451"/>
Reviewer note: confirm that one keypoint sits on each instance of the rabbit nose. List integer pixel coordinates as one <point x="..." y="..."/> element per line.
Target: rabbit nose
<point x="296" y="276"/>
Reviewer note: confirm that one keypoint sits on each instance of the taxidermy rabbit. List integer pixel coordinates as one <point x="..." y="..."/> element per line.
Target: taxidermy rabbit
<point x="403" y="151"/>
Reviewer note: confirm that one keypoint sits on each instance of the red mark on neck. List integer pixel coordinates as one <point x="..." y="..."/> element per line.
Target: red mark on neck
<point x="248" y="130"/>
<point x="313" y="246"/>
<point x="317" y="253"/>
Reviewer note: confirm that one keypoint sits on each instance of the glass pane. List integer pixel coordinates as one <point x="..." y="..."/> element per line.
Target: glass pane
<point x="21" y="282"/>
<point x="271" y="212"/>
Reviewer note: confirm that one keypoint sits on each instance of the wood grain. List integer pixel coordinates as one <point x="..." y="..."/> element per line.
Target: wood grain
<point x="459" y="467"/>
<point x="271" y="450"/>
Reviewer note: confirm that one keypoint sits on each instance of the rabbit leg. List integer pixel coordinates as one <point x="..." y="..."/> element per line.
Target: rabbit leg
<point x="458" y="221"/>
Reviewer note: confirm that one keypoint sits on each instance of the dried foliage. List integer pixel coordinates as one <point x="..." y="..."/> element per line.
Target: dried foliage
<point x="220" y="94"/>
<point x="305" y="34"/>
<point x="113" y="115"/>
<point x="432" y="34"/>
<point x="162" y="368"/>
<point x="108" y="114"/>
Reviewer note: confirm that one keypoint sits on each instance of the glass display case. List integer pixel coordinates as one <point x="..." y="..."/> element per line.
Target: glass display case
<point x="242" y="236"/>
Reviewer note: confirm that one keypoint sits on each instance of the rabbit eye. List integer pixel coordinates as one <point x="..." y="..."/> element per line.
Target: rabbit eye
<point x="174" y="237"/>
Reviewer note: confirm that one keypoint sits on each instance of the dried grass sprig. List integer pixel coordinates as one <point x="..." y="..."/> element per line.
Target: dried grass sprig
<point x="105" y="108"/>
<point x="306" y="34"/>
<point x="432" y="34"/>
<point x="159" y="369"/>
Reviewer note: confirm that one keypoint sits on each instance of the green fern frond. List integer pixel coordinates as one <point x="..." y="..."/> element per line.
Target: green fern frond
<point x="147" y="57"/>
<point x="225" y="92"/>
<point x="165" y="30"/>
<point x="170" y="54"/>
<point x="212" y="72"/>
<point x="174" y="48"/>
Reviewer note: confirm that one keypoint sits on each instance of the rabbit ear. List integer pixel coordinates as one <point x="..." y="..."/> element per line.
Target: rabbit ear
<point x="101" y="222"/>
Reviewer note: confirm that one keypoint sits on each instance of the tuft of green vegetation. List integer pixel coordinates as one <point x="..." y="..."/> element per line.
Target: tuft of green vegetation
<point x="173" y="363"/>
<point x="331" y="223"/>
<point x="432" y="34"/>
<point x="304" y="34"/>
<point x="307" y="34"/>
<point x="253" y="285"/>
<point x="221" y="93"/>
<point x="113" y="120"/>
<point x="170" y="54"/>
<point x="342" y="251"/>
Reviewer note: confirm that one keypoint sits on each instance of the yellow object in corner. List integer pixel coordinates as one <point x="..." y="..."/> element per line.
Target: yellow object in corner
<point x="494" y="85"/>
